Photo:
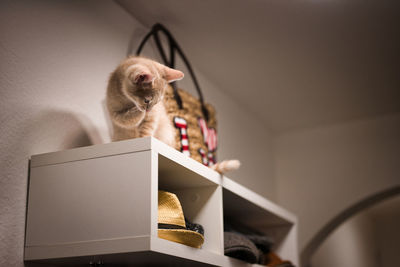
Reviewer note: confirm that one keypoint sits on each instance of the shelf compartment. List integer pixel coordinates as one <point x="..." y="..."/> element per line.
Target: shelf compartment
<point x="244" y="209"/>
<point x="201" y="199"/>
<point x="100" y="203"/>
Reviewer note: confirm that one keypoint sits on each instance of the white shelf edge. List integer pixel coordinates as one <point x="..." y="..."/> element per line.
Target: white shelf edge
<point x="126" y="245"/>
<point x="93" y="151"/>
<point x="258" y="200"/>
<point x="87" y="248"/>
<point x="182" y="251"/>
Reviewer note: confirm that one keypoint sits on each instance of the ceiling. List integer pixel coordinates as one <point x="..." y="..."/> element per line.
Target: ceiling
<point x="293" y="63"/>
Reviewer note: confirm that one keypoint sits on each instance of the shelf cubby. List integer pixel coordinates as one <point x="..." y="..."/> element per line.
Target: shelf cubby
<point x="98" y="204"/>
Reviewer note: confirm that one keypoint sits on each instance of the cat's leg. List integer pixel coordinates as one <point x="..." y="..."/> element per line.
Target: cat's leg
<point x="146" y="128"/>
<point x="128" y="118"/>
<point x="149" y="124"/>
<point x="165" y="131"/>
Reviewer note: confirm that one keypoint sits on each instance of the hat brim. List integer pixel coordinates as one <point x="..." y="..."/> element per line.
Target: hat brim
<point x="182" y="236"/>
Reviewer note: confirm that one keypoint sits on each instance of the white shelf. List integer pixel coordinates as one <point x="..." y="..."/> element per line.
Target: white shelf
<point x="99" y="203"/>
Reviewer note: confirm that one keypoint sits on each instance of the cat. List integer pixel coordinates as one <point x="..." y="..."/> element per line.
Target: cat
<point x="134" y="100"/>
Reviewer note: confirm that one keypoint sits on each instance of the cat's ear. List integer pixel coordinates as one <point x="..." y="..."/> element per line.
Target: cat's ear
<point x="142" y="77"/>
<point x="172" y="75"/>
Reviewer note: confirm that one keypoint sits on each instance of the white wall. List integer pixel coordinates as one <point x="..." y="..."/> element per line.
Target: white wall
<point x="321" y="171"/>
<point x="353" y="244"/>
<point x="56" y="57"/>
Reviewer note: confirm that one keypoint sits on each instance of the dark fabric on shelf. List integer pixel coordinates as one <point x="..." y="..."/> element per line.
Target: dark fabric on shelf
<point x="194" y="227"/>
<point x="263" y="242"/>
<point x="240" y="247"/>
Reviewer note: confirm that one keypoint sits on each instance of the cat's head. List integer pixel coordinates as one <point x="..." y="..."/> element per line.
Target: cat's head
<point x="145" y="81"/>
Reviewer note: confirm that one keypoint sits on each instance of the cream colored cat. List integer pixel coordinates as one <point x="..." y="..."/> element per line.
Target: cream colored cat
<point x="134" y="100"/>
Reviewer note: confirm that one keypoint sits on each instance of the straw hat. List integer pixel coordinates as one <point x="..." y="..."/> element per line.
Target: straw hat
<point x="171" y="222"/>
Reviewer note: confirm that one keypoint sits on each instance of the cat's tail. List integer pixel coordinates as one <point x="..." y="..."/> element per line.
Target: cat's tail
<point x="226" y="166"/>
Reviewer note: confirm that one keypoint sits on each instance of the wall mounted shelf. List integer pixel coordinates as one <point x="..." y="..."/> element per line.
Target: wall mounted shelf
<point x="99" y="204"/>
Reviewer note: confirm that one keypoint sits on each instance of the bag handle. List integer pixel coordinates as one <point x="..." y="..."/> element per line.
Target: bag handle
<point x="173" y="47"/>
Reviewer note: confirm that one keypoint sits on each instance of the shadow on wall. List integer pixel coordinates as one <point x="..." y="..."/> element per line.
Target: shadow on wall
<point x="41" y="132"/>
<point x="53" y="130"/>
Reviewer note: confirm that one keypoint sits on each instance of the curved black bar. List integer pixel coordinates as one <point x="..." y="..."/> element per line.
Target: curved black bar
<point x="325" y="231"/>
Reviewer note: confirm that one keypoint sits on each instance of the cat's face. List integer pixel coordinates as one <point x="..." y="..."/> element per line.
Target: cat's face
<point x="146" y="80"/>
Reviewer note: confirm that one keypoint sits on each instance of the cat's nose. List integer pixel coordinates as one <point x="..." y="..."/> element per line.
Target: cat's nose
<point x="147" y="99"/>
